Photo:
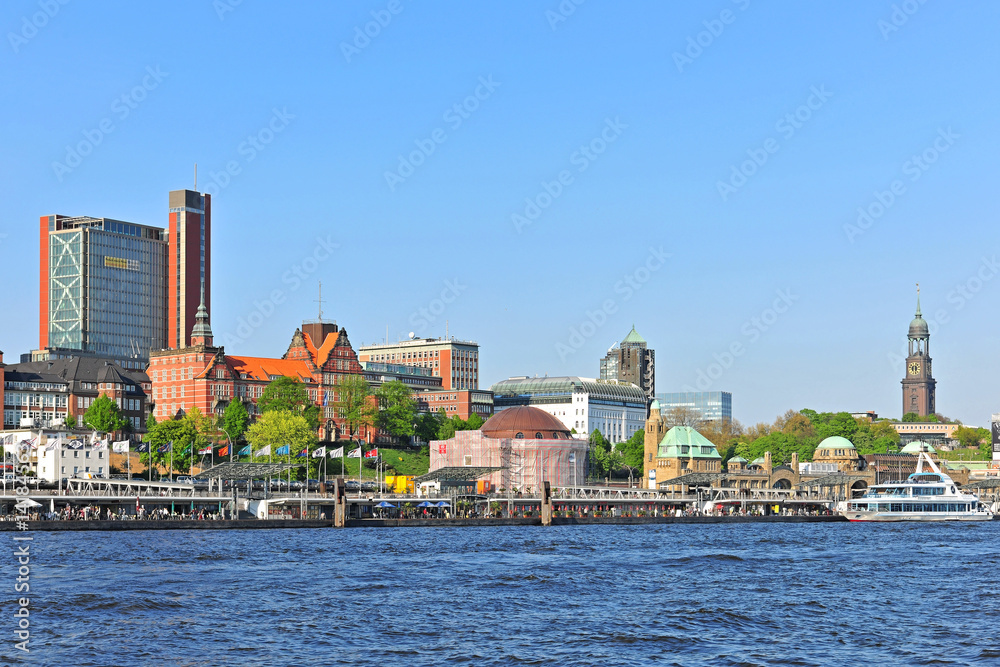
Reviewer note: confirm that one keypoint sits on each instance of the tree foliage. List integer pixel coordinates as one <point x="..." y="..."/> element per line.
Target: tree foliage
<point x="397" y="409"/>
<point x="104" y="416"/>
<point x="682" y="416"/>
<point x="235" y="420"/>
<point x="182" y="433"/>
<point x="289" y="395"/>
<point x="603" y="458"/>
<point x="352" y="403"/>
<point x="281" y="427"/>
<point x="633" y="450"/>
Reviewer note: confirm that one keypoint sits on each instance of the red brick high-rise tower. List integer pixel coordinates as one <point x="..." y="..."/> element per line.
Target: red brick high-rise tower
<point x="189" y="263"/>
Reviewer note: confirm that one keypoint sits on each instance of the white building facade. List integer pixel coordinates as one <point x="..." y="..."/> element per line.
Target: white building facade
<point x="616" y="409"/>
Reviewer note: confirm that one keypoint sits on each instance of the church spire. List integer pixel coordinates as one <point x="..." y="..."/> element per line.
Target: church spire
<point x="202" y="331"/>
<point x="918" y="301"/>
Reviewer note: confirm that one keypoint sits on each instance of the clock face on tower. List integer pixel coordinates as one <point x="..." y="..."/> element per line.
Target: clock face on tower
<point x="914" y="368"/>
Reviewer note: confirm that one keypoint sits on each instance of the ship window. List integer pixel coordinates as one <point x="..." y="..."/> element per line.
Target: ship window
<point x="519" y="435"/>
<point x="538" y="436"/>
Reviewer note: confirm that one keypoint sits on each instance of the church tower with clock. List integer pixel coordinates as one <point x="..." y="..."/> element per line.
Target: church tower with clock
<point x="918" y="384"/>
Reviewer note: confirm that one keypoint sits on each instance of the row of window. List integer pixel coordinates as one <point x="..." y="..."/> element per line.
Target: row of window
<point x="914" y="507"/>
<point x="42" y="400"/>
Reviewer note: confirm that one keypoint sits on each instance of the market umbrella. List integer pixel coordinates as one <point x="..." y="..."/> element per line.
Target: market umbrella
<point x="385" y="504"/>
<point x="443" y="504"/>
<point x="426" y="504"/>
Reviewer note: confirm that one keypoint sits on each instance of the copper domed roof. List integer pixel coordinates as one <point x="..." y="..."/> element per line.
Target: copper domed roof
<point x="525" y="422"/>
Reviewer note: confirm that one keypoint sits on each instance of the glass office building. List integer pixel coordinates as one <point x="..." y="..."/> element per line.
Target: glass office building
<point x="107" y="287"/>
<point x="713" y="405"/>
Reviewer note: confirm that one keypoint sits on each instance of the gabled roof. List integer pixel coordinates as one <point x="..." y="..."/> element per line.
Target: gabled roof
<point x="683" y="442"/>
<point x="79" y="369"/>
<point x="262" y="368"/>
<point x="322" y="353"/>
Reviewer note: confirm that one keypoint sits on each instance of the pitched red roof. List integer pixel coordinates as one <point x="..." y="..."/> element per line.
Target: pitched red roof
<point x="262" y="368"/>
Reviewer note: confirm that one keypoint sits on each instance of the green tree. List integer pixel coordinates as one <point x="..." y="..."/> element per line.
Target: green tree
<point x="447" y="428"/>
<point x="474" y="422"/>
<point x="633" y="450"/>
<point x="150" y="422"/>
<point x="70" y="421"/>
<point x="429" y="426"/>
<point x="353" y="404"/>
<point x="235" y="420"/>
<point x="281" y="427"/>
<point x="602" y="456"/>
<point x="397" y="409"/>
<point x="290" y="395"/>
<point x="104" y="416"/>
<point x="969" y="436"/>
<point x="180" y="432"/>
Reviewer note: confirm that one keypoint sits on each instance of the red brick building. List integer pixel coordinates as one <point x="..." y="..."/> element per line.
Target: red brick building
<point x="204" y="376"/>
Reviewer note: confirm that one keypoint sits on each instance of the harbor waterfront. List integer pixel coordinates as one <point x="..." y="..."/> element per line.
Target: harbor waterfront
<point x="752" y="594"/>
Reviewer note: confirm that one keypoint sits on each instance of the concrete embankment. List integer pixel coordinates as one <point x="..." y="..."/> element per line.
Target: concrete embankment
<point x="402" y="523"/>
<point x="590" y="521"/>
<point x="167" y="525"/>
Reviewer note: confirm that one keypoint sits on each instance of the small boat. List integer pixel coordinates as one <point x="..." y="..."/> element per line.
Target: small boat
<point x="926" y="495"/>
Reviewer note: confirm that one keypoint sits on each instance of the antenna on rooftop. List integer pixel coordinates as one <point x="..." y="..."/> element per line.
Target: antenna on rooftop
<point x="320" y="300"/>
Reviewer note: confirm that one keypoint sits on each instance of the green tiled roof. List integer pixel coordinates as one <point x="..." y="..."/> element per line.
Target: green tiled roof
<point x="634" y="337"/>
<point x="737" y="459"/>
<point x="684" y="442"/>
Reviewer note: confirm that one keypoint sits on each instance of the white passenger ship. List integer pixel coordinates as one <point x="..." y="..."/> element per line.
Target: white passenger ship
<point x="926" y="495"/>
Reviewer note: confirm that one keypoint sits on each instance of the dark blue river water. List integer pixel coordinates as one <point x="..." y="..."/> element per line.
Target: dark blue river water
<point x="760" y="594"/>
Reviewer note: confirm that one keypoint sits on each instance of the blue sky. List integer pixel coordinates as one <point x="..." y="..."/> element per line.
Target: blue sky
<point x="615" y="123"/>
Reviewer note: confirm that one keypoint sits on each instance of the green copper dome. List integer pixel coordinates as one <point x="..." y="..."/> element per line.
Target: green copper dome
<point x="683" y="442"/>
<point x="918" y="446"/>
<point x="738" y="459"/>
<point x="654" y="407"/>
<point x="835" y="442"/>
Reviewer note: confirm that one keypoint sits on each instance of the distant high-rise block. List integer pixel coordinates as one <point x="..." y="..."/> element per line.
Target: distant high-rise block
<point x="189" y="236"/>
<point x="632" y="361"/>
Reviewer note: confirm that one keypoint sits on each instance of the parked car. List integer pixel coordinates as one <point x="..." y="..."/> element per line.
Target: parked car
<point x="184" y="479"/>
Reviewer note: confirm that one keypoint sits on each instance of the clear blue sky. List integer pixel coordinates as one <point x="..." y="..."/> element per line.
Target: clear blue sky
<point x="673" y="130"/>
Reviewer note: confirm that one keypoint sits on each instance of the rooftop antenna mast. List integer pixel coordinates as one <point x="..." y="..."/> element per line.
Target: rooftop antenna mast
<point x="320" y="300"/>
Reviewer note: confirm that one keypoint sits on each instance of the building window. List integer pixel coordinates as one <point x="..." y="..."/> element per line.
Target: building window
<point x="519" y="435"/>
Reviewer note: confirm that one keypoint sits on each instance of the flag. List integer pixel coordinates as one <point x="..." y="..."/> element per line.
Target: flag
<point x="263" y="451"/>
<point x="75" y="444"/>
<point x="320" y="452"/>
<point x="55" y="444"/>
<point x="163" y="449"/>
<point x="282" y="451"/>
<point x="304" y="452"/>
<point x="224" y="451"/>
<point x="101" y="446"/>
<point x="354" y="453"/>
<point x="93" y="437"/>
<point x="244" y="452"/>
<point x="206" y="450"/>
<point x="372" y="453"/>
<point x="142" y="448"/>
<point x="120" y="446"/>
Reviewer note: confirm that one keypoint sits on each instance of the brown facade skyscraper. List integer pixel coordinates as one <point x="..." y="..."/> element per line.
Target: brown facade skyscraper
<point x="918" y="384"/>
<point x="632" y="361"/>
<point x="189" y="262"/>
